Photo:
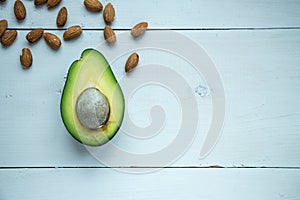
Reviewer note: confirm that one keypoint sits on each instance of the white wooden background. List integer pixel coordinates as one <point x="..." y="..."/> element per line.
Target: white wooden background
<point x="256" y="48"/>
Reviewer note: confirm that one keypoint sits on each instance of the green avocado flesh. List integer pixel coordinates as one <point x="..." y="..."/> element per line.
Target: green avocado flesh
<point x="92" y="71"/>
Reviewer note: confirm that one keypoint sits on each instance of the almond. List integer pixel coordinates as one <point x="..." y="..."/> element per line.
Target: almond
<point x="3" y="26"/>
<point x="39" y="2"/>
<point x="2" y="0"/>
<point x="109" y="13"/>
<point x="35" y="35"/>
<point x="139" y="29"/>
<point x="72" y="32"/>
<point x="53" y="3"/>
<point x="52" y="40"/>
<point x="62" y="16"/>
<point x="26" y="58"/>
<point x="20" y="10"/>
<point x="93" y="5"/>
<point x="132" y="62"/>
<point x="9" y="37"/>
<point x="109" y="35"/>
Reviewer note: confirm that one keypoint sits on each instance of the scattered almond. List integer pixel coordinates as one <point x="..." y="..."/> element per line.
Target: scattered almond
<point x="109" y="35"/>
<point x="39" y="2"/>
<point x="62" y="16"/>
<point x="139" y="29"/>
<point x="26" y="58"/>
<point x="131" y="62"/>
<point x="52" y="40"/>
<point x="3" y="26"/>
<point x="20" y="10"/>
<point x="93" y="5"/>
<point x="72" y="32"/>
<point x="109" y="13"/>
<point x="9" y="37"/>
<point x="53" y="3"/>
<point x="35" y="35"/>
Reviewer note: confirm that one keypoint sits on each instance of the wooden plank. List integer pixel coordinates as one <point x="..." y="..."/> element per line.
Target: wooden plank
<point x="260" y="72"/>
<point x="167" y="14"/>
<point x="210" y="184"/>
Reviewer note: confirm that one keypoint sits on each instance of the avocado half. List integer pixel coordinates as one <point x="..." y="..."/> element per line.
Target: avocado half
<point x="92" y="73"/>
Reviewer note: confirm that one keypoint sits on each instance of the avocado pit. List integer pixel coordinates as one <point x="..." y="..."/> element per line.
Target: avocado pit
<point x="92" y="108"/>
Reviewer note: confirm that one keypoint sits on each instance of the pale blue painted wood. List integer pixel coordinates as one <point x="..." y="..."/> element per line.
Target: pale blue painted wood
<point x="213" y="184"/>
<point x="260" y="70"/>
<point x="167" y="14"/>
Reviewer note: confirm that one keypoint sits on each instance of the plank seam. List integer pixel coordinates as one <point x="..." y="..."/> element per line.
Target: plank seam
<point x="174" y="29"/>
<point x="133" y="167"/>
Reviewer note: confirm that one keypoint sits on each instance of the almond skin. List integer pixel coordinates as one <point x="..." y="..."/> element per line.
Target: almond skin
<point x="9" y="37"/>
<point x="53" y="3"/>
<point x="19" y="10"/>
<point x="139" y="29"/>
<point x="62" y="17"/>
<point x="52" y="40"/>
<point x="26" y="58"/>
<point x="39" y="2"/>
<point x="3" y="26"/>
<point x="109" y="35"/>
<point x="72" y="32"/>
<point x="93" y="5"/>
<point x="132" y="62"/>
<point x="109" y="13"/>
<point x="35" y="35"/>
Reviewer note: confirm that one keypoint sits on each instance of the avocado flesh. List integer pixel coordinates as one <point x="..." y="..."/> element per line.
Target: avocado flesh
<point x="92" y="70"/>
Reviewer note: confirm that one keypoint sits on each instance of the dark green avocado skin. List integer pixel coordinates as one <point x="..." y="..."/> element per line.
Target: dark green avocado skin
<point x="92" y="70"/>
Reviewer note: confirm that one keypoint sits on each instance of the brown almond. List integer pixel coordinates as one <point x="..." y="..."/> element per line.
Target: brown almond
<point x="39" y="2"/>
<point x="109" y="35"/>
<point x="72" y="32"/>
<point x="2" y="0"/>
<point x="52" y="40"/>
<point x="139" y="29"/>
<point x="3" y="26"/>
<point x="19" y="10"/>
<point x="93" y="5"/>
<point x="9" y="37"/>
<point x="26" y="58"/>
<point x="132" y="62"/>
<point x="35" y="35"/>
<point x="53" y="3"/>
<point x="109" y="13"/>
<point x="62" y="16"/>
